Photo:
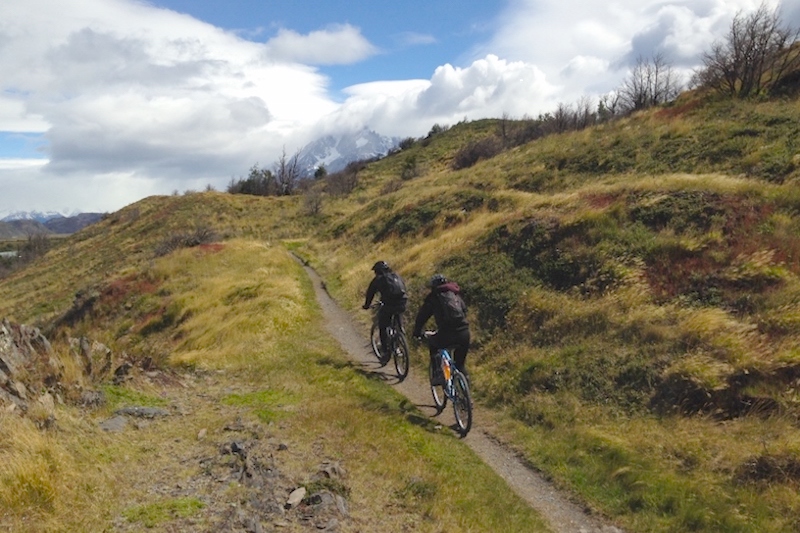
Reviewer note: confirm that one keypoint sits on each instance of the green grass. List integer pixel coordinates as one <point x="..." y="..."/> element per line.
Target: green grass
<point x="155" y="514"/>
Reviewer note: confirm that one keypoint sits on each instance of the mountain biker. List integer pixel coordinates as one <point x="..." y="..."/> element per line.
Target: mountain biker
<point x="393" y="295"/>
<point x="450" y="313"/>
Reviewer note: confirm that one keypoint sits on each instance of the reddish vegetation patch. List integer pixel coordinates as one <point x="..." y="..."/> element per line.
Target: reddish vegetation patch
<point x="676" y="111"/>
<point x="672" y="276"/>
<point x="600" y="201"/>
<point x="211" y="247"/>
<point x="118" y="290"/>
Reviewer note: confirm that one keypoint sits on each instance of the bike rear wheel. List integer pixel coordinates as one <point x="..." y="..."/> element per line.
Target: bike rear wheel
<point x="401" y="355"/>
<point x="437" y="391"/>
<point x="462" y="403"/>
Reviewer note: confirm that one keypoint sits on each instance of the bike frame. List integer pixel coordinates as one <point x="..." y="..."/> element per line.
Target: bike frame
<point x="458" y="394"/>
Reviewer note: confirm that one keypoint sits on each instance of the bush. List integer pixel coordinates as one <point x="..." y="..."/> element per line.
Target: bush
<point x="201" y="235"/>
<point x="485" y="148"/>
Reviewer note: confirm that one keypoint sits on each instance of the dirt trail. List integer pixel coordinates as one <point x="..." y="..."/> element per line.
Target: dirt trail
<point x="564" y="515"/>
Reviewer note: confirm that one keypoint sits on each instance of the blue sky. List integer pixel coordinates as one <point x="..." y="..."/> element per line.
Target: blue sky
<point x="413" y="37"/>
<point x="105" y="102"/>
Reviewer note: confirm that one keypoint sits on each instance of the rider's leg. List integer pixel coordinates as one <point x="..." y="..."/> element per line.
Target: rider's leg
<point x="461" y="341"/>
<point x="384" y="320"/>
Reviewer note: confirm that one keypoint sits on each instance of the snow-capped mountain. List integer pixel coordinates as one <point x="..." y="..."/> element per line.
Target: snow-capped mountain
<point x="336" y="151"/>
<point x="38" y="216"/>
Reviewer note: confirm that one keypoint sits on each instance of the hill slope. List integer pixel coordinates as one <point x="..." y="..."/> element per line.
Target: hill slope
<point x="633" y="291"/>
<point x="623" y="280"/>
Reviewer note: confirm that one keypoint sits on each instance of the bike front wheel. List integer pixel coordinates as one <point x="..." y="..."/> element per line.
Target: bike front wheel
<point x="401" y="356"/>
<point x="375" y="340"/>
<point x="462" y="403"/>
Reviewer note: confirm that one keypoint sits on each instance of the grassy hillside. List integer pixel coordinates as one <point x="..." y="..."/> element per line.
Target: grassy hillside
<point x="634" y="294"/>
<point x="633" y="289"/>
<point x="227" y="337"/>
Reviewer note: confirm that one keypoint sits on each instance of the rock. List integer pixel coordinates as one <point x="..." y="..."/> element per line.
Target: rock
<point x="341" y="505"/>
<point x="47" y="403"/>
<point x="114" y="425"/>
<point x="95" y="357"/>
<point x="26" y="363"/>
<point x="142" y="412"/>
<point x="295" y="497"/>
<point x="91" y="398"/>
<point x="331" y="470"/>
<point x="121" y="373"/>
<point x="202" y="434"/>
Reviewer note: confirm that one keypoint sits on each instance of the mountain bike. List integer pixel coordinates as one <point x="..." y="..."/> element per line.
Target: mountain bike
<point x="398" y="345"/>
<point x="449" y="383"/>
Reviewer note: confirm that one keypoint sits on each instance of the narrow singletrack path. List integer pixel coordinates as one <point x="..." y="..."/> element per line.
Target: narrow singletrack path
<point x="564" y="515"/>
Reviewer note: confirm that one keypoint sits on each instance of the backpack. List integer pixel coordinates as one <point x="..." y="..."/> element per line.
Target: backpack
<point x="395" y="288"/>
<point x="454" y="310"/>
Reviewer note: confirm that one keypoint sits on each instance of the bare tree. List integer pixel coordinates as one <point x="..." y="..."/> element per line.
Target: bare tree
<point x="562" y="118"/>
<point x="37" y="244"/>
<point x="584" y="116"/>
<point x="609" y="106"/>
<point x="755" y="55"/>
<point x="652" y="82"/>
<point x="287" y="173"/>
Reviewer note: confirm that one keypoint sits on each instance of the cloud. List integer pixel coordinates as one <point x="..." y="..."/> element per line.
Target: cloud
<point x="125" y="89"/>
<point x="410" y="38"/>
<point x="489" y="87"/>
<point x="338" y="45"/>
<point x="568" y="39"/>
<point x="134" y="100"/>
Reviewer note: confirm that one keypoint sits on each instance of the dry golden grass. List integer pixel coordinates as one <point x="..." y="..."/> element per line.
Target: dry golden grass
<point x="249" y="317"/>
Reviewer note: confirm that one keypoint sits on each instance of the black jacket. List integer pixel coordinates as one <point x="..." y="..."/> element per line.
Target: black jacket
<point x="380" y="284"/>
<point x="432" y="307"/>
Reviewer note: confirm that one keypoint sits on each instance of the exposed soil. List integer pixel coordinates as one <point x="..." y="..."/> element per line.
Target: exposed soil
<point x="562" y="512"/>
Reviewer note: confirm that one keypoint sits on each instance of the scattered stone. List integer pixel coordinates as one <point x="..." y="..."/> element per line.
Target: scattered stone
<point x="295" y="498"/>
<point x="235" y="426"/>
<point x="142" y="412"/>
<point x="341" y="505"/>
<point x="202" y="434"/>
<point x="238" y="449"/>
<point x="282" y="447"/>
<point x="92" y="398"/>
<point x="121" y="374"/>
<point x="331" y="470"/>
<point x="114" y="425"/>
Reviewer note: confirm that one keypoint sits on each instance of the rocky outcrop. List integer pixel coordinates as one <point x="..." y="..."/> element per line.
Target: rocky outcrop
<point x="27" y="366"/>
<point x="29" y="369"/>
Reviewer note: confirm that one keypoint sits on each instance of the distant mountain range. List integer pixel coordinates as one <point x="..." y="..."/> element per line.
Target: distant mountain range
<point x="38" y="216"/>
<point x="336" y="151"/>
<point x="333" y="152"/>
<point x="21" y="224"/>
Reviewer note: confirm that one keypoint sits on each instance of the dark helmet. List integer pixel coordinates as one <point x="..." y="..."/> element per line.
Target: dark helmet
<point x="437" y="280"/>
<point x="380" y="267"/>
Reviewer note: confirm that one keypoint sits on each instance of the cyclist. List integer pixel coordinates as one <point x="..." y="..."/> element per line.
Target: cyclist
<point x="392" y="289"/>
<point x="448" y="309"/>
